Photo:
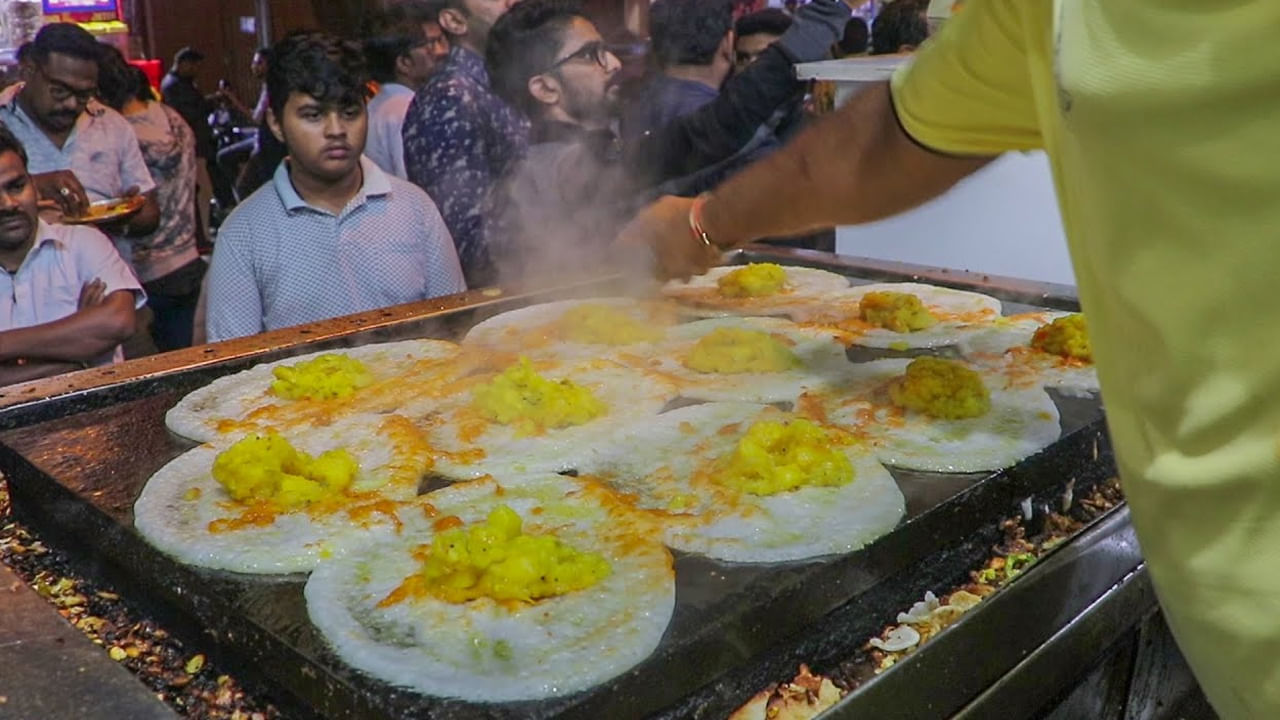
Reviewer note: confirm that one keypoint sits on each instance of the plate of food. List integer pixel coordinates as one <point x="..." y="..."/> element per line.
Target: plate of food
<point x="109" y="210"/>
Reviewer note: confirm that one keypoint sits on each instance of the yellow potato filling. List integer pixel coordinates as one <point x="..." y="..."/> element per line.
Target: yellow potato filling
<point x="775" y="457"/>
<point x="327" y="377"/>
<point x="1068" y="336"/>
<point x="267" y="467"/>
<point x="736" y="350"/>
<point x="519" y="396"/>
<point x="605" y="325"/>
<point x="942" y="389"/>
<point x="495" y="559"/>
<point x="754" y="280"/>
<point x="899" y="312"/>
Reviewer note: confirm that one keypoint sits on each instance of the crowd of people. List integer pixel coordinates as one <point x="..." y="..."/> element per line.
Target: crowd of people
<point x="452" y="144"/>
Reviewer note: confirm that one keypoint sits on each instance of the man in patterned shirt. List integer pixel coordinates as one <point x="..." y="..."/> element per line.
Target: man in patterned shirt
<point x="459" y="137"/>
<point x="331" y="234"/>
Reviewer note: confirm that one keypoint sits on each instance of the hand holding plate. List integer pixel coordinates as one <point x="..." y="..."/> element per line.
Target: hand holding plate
<point x="63" y="188"/>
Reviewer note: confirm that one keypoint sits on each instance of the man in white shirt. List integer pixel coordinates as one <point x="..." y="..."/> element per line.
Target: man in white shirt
<point x="67" y="299"/>
<point x="80" y="150"/>
<point x="405" y="45"/>
<point x="331" y="234"/>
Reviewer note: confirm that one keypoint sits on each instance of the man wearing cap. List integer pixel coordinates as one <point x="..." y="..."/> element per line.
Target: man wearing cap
<point x="179" y="92"/>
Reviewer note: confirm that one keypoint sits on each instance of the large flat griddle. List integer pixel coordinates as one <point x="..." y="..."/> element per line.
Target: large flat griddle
<point x="76" y="462"/>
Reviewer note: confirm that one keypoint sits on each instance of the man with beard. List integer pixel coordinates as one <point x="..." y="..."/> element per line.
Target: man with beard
<point x="67" y="299"/>
<point x="79" y="149"/>
<point x="331" y="234"/>
<point x="576" y="186"/>
<point x="458" y="136"/>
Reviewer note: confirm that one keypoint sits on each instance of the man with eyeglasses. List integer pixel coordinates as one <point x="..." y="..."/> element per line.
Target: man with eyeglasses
<point x="404" y="45"/>
<point x="79" y="149"/>
<point x="459" y="137"/>
<point x="563" y="203"/>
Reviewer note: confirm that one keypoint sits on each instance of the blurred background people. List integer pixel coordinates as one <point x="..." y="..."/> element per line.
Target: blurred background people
<point x="459" y="137"/>
<point x="693" y="48"/>
<point x="179" y="91"/>
<point x="404" y="46"/>
<point x="754" y="32"/>
<point x="165" y="259"/>
<point x="234" y="152"/>
<point x="855" y="40"/>
<point x="899" y="27"/>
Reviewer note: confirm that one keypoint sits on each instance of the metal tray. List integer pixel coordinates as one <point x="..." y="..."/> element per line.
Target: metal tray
<point x="77" y="451"/>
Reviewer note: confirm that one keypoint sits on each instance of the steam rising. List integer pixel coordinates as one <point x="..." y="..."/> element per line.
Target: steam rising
<point x="554" y="218"/>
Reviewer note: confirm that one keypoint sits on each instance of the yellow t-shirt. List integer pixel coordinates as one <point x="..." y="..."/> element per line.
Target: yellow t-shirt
<point x="1162" y="122"/>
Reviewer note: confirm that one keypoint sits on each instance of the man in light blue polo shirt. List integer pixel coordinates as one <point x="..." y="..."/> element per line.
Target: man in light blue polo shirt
<point x="80" y="150"/>
<point x="67" y="299"/>
<point x="332" y="234"/>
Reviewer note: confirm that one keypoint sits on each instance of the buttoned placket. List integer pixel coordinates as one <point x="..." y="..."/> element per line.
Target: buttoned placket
<point x="20" y="288"/>
<point x="12" y="277"/>
<point x="353" y="206"/>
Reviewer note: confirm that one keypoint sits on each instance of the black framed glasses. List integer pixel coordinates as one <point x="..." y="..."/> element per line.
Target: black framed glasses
<point x="594" y="51"/>
<point x="61" y="93"/>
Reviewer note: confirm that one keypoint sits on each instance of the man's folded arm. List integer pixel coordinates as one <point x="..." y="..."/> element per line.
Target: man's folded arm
<point x="78" y="338"/>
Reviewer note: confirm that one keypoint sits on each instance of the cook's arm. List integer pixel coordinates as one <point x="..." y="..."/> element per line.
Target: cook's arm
<point x="853" y="166"/>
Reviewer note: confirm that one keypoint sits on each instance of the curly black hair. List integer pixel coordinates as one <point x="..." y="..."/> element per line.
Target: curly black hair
<point x="324" y="66"/>
<point x="855" y="38"/>
<point x="524" y="43"/>
<point x="899" y="23"/>
<point x="770" y="21"/>
<point x="688" y="32"/>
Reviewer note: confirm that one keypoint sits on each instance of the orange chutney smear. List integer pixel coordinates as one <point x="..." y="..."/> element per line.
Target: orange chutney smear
<point x="812" y="407"/>
<point x="229" y="426"/>
<point x="413" y="587"/>
<point x="447" y="522"/>
<point x="259" y="514"/>
<point x="412" y="452"/>
<point x="386" y="508"/>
